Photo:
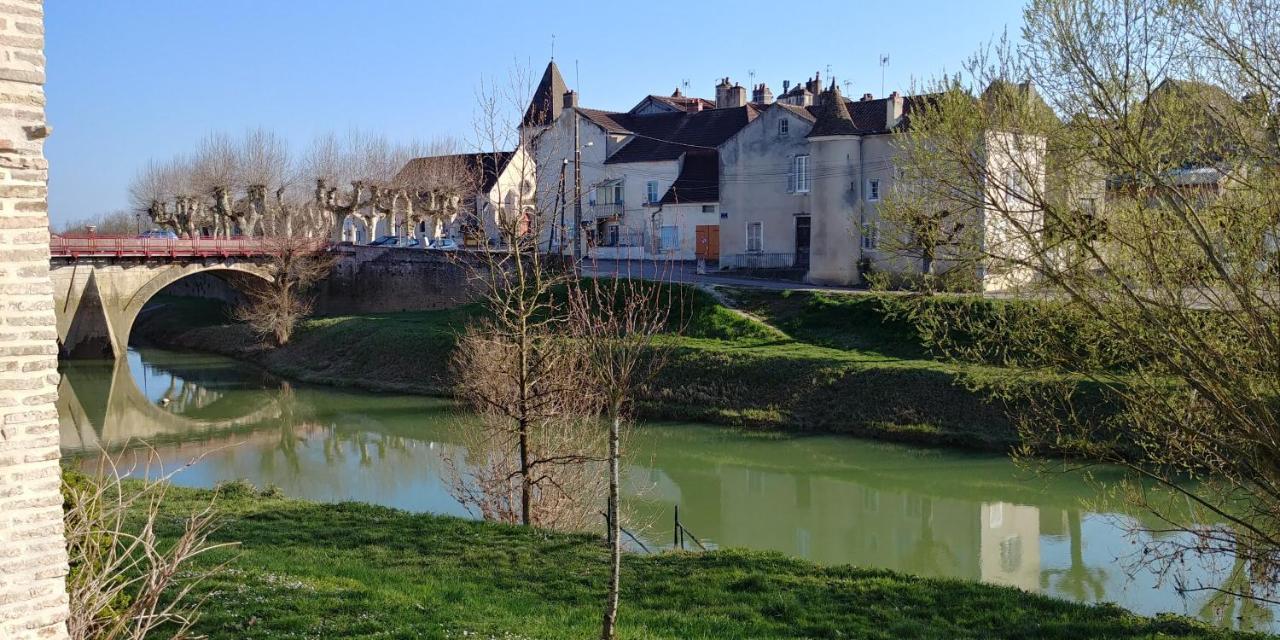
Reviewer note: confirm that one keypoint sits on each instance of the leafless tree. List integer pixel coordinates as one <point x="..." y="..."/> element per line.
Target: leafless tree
<point x="125" y="582"/>
<point x="295" y="262"/>
<point x="616" y="322"/>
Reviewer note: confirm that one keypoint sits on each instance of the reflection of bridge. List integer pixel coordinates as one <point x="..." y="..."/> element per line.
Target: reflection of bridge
<point x="100" y="404"/>
<point x="101" y="283"/>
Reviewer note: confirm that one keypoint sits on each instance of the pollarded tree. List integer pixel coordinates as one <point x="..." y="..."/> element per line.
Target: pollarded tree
<point x="1149" y="245"/>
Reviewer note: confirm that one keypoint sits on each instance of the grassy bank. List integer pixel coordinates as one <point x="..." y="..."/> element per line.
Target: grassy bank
<point x="798" y="362"/>
<point x="358" y="571"/>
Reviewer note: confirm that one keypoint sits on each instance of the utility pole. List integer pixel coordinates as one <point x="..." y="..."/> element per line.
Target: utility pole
<point x="577" y="190"/>
<point x="560" y="196"/>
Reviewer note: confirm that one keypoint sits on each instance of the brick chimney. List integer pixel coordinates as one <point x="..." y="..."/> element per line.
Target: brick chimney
<point x="761" y="94"/>
<point x="893" y="110"/>
<point x="866" y="97"/>
<point x="814" y="85"/>
<point x="570" y="99"/>
<point x="737" y="96"/>
<point x="722" y="93"/>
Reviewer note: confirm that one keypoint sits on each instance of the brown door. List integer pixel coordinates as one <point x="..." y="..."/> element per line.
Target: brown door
<point x="802" y="242"/>
<point x="707" y="241"/>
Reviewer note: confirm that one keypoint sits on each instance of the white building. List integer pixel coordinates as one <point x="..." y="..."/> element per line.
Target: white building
<point x="650" y="175"/>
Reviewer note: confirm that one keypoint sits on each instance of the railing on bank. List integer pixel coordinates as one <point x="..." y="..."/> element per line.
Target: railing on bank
<point x="759" y="261"/>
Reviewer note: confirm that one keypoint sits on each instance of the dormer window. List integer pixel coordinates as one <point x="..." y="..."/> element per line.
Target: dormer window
<point x="783" y="127"/>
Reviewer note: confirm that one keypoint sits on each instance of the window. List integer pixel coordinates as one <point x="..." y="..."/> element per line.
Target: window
<point x="873" y="190"/>
<point x="609" y="193"/>
<point x="755" y="237"/>
<point x="708" y="208"/>
<point x="798" y="180"/>
<point x="651" y="192"/>
<point x="784" y="127"/>
<point x="1015" y="187"/>
<point x="870" y="234"/>
<point x="670" y="238"/>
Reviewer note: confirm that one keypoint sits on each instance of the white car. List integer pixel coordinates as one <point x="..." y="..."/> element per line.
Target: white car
<point x="445" y="244"/>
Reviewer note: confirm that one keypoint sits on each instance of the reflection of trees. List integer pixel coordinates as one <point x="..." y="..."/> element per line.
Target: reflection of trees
<point x="930" y="556"/>
<point x="1078" y="581"/>
<point x="1236" y="599"/>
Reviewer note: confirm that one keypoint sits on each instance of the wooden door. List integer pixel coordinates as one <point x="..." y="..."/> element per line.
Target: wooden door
<point x="802" y="242"/>
<point x="707" y="241"/>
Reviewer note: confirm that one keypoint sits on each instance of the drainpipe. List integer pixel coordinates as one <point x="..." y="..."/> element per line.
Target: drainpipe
<point x="862" y="213"/>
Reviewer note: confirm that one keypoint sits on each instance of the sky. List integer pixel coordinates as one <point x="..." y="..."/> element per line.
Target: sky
<point x="143" y="79"/>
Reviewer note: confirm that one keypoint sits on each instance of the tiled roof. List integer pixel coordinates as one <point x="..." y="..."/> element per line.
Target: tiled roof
<point x="488" y="165"/>
<point x="682" y="102"/>
<point x="699" y="179"/>
<point x="669" y="135"/>
<point x="833" y="117"/>
<point x="548" y="98"/>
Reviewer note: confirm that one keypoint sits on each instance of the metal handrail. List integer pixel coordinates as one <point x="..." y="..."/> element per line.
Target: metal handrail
<point x="116" y="246"/>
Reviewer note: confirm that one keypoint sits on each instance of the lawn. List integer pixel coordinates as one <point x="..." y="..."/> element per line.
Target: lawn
<point x="306" y="570"/>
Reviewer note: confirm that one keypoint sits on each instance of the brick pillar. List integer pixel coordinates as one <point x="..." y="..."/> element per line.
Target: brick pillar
<point x="33" y="557"/>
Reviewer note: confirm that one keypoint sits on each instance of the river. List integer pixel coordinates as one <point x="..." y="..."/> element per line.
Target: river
<point x="833" y="500"/>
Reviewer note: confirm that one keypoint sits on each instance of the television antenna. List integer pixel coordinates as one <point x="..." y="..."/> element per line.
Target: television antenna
<point x="884" y="62"/>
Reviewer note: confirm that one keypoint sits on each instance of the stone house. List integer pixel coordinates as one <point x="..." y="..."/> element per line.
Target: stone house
<point x="649" y="176"/>
<point x="802" y="187"/>
<point x="501" y="186"/>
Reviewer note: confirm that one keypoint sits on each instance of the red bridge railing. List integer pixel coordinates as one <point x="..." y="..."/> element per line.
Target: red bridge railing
<point x="121" y="247"/>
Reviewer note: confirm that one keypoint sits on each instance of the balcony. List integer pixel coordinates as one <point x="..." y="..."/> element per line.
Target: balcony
<point x="611" y="211"/>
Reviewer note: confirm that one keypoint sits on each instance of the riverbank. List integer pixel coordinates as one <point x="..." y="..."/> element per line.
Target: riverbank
<point x="840" y="366"/>
<point x="304" y="569"/>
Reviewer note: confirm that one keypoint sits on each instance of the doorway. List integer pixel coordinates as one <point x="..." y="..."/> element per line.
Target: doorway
<point x="802" y="242"/>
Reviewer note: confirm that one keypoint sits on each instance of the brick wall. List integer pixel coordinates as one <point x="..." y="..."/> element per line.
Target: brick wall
<point x="33" y="562"/>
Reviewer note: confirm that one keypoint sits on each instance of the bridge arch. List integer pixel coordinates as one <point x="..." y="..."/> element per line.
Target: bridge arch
<point x="97" y="303"/>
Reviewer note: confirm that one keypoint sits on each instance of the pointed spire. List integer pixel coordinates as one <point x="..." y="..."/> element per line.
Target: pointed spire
<point x="833" y="115"/>
<point x="546" y="104"/>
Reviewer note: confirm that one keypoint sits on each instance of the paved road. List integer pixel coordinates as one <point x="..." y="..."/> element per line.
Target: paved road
<point x="688" y="272"/>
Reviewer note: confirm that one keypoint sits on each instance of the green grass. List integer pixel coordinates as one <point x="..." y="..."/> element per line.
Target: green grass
<point x="801" y="362"/>
<point x="306" y="570"/>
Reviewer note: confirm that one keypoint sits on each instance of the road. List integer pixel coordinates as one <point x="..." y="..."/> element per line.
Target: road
<point x="687" y="272"/>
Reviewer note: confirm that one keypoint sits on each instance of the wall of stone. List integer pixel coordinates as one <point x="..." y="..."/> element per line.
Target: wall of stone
<point x="387" y="279"/>
<point x="33" y="559"/>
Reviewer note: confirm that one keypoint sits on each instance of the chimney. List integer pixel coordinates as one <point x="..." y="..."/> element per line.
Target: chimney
<point x="815" y="85"/>
<point x="866" y="97"/>
<point x="570" y="99"/>
<point x="893" y="110"/>
<point x="722" y="93"/>
<point x="737" y="96"/>
<point x="694" y="106"/>
<point x="786" y="86"/>
<point x="761" y="94"/>
<point x="676" y="93"/>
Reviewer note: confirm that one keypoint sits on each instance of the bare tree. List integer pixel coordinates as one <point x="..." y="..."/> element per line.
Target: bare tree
<point x="616" y="322"/>
<point x="295" y="263"/>
<point x="125" y="582"/>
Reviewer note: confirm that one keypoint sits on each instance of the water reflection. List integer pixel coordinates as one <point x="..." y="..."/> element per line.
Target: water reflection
<point x="831" y="500"/>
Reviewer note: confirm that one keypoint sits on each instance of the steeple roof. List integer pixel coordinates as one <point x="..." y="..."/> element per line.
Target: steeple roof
<point x="547" y="100"/>
<point x="833" y="116"/>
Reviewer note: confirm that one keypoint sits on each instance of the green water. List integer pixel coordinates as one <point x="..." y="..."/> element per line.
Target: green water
<point x="828" y="499"/>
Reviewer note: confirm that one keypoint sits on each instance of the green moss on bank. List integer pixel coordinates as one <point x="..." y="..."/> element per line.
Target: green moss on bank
<point x="359" y="571"/>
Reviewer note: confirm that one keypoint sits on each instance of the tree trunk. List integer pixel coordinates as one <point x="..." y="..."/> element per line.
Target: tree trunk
<point x="526" y="490"/>
<point x="609" y="631"/>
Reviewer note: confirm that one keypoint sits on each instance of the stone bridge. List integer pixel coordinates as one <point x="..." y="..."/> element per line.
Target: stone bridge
<point x="102" y="284"/>
<point x="100" y="405"/>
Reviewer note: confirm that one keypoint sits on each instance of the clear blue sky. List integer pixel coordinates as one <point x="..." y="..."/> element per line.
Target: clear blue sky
<point x="128" y="81"/>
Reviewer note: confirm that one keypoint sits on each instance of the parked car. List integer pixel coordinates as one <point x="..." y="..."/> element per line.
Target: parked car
<point x="160" y="234"/>
<point x="393" y="241"/>
<point x="445" y="244"/>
